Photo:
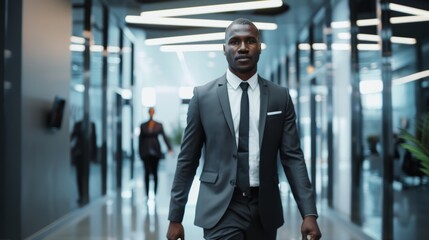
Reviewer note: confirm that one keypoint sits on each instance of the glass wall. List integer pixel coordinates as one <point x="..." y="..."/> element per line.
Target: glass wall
<point x="114" y="141"/>
<point x="304" y="95"/>
<point x="409" y="105"/>
<point x="77" y="89"/>
<point x="95" y="95"/>
<point x="101" y="59"/>
<point x="341" y="109"/>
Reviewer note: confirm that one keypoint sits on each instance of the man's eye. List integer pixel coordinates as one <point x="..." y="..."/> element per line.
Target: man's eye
<point x="233" y="42"/>
<point x="251" y="41"/>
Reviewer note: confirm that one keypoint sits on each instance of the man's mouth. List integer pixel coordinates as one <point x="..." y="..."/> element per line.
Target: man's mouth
<point x="242" y="58"/>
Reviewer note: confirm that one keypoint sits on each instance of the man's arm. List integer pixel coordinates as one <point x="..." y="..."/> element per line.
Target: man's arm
<point x="296" y="171"/>
<point x="187" y="164"/>
<point x="293" y="163"/>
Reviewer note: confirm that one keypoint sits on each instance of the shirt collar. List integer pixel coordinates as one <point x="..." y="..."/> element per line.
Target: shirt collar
<point x="235" y="81"/>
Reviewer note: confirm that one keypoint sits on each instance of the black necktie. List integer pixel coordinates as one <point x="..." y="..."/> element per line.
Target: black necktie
<point x="243" y="142"/>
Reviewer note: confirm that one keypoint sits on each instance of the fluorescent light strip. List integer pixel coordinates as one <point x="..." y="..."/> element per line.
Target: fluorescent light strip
<point x="113" y="49"/>
<point x="410" y="78"/>
<point x="403" y="40"/>
<point x="367" y="22"/>
<point x="340" y="24"/>
<point x="96" y="48"/>
<point x="408" y="19"/>
<point x="376" y="38"/>
<point x="217" y="8"/>
<point x="316" y="46"/>
<point x="408" y="10"/>
<point x="196" y="47"/>
<point x="368" y="47"/>
<point x="368" y="37"/>
<point x="77" y="40"/>
<point x="185" y="38"/>
<point x="192" y="22"/>
<point x="77" y="47"/>
<point x="374" y="21"/>
<point x="340" y="46"/>
<point x="93" y="48"/>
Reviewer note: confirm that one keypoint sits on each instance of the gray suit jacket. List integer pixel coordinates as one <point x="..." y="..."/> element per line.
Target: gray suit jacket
<point x="210" y="129"/>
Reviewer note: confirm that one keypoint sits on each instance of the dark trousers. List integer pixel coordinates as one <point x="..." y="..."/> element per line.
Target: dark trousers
<point x="82" y="179"/>
<point x="241" y="221"/>
<point x="151" y="168"/>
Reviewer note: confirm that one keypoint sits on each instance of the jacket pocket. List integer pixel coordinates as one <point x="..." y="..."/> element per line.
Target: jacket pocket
<point x="208" y="177"/>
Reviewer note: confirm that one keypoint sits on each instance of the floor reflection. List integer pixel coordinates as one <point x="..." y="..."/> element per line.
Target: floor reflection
<point x="130" y="215"/>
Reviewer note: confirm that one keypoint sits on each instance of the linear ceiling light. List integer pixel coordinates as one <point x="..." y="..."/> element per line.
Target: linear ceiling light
<point x="403" y="40"/>
<point x="376" y="38"/>
<point x="410" y="78"/>
<point x="217" y="8"/>
<point x="195" y="48"/>
<point x="77" y="47"/>
<point x="340" y="46"/>
<point x="368" y="47"/>
<point x="374" y="21"/>
<point x="367" y="22"/>
<point x="408" y="10"/>
<point x="408" y="19"/>
<point x="192" y="22"/>
<point x="77" y="40"/>
<point x="186" y="38"/>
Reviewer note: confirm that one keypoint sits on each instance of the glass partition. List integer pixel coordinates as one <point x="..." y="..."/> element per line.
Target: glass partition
<point x="410" y="102"/>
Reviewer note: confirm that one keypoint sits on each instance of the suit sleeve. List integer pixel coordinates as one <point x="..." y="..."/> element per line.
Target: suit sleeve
<point x="187" y="162"/>
<point x="141" y="141"/>
<point x="294" y="165"/>
<point x="166" y="140"/>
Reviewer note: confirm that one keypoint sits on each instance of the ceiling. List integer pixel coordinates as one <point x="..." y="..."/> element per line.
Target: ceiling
<point x="195" y="68"/>
<point x="293" y="15"/>
<point x="291" y="18"/>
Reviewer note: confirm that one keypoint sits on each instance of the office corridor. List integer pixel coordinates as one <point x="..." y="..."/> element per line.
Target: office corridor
<point x="128" y="215"/>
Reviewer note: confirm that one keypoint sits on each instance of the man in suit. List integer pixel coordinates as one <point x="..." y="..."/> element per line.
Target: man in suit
<point x="150" y="148"/>
<point x="241" y="122"/>
<point x="80" y="160"/>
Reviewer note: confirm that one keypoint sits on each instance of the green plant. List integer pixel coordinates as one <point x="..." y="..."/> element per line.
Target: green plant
<point x="418" y="144"/>
<point x="177" y="134"/>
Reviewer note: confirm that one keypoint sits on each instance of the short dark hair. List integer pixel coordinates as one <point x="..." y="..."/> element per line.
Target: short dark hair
<point x="241" y="21"/>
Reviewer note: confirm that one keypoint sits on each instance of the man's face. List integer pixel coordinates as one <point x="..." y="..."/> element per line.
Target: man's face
<point x="242" y="49"/>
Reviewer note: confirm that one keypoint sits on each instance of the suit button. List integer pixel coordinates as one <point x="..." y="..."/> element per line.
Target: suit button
<point x="232" y="182"/>
<point x="234" y="155"/>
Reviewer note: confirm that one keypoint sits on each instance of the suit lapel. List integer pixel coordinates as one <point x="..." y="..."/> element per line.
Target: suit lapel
<point x="263" y="87"/>
<point x="222" y="93"/>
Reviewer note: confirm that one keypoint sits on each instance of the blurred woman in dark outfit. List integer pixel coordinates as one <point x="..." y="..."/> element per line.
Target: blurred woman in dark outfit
<point x="150" y="149"/>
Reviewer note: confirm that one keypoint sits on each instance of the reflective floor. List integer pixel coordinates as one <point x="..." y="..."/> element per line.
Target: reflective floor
<point x="129" y="215"/>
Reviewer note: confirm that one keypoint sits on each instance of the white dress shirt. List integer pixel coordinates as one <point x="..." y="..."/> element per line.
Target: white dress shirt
<point x="234" y="94"/>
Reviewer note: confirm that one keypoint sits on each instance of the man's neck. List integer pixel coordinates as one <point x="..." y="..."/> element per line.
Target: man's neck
<point x="243" y="76"/>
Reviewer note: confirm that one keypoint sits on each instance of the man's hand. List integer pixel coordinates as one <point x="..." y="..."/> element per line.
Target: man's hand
<point x="175" y="231"/>
<point x="309" y="228"/>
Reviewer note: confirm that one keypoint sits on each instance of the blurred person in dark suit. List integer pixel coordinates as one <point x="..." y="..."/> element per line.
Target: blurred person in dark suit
<point x="150" y="148"/>
<point x="79" y="159"/>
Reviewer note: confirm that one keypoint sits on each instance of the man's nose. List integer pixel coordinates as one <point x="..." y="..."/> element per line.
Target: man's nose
<point x="243" y="47"/>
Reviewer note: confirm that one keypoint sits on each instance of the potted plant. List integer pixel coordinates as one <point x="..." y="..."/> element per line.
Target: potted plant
<point x="418" y="144"/>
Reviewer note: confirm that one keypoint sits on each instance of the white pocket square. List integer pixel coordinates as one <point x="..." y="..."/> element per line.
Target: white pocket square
<point x="273" y="113"/>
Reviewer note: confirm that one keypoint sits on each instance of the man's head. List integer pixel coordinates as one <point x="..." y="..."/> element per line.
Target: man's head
<point x="151" y="112"/>
<point x="242" y="48"/>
